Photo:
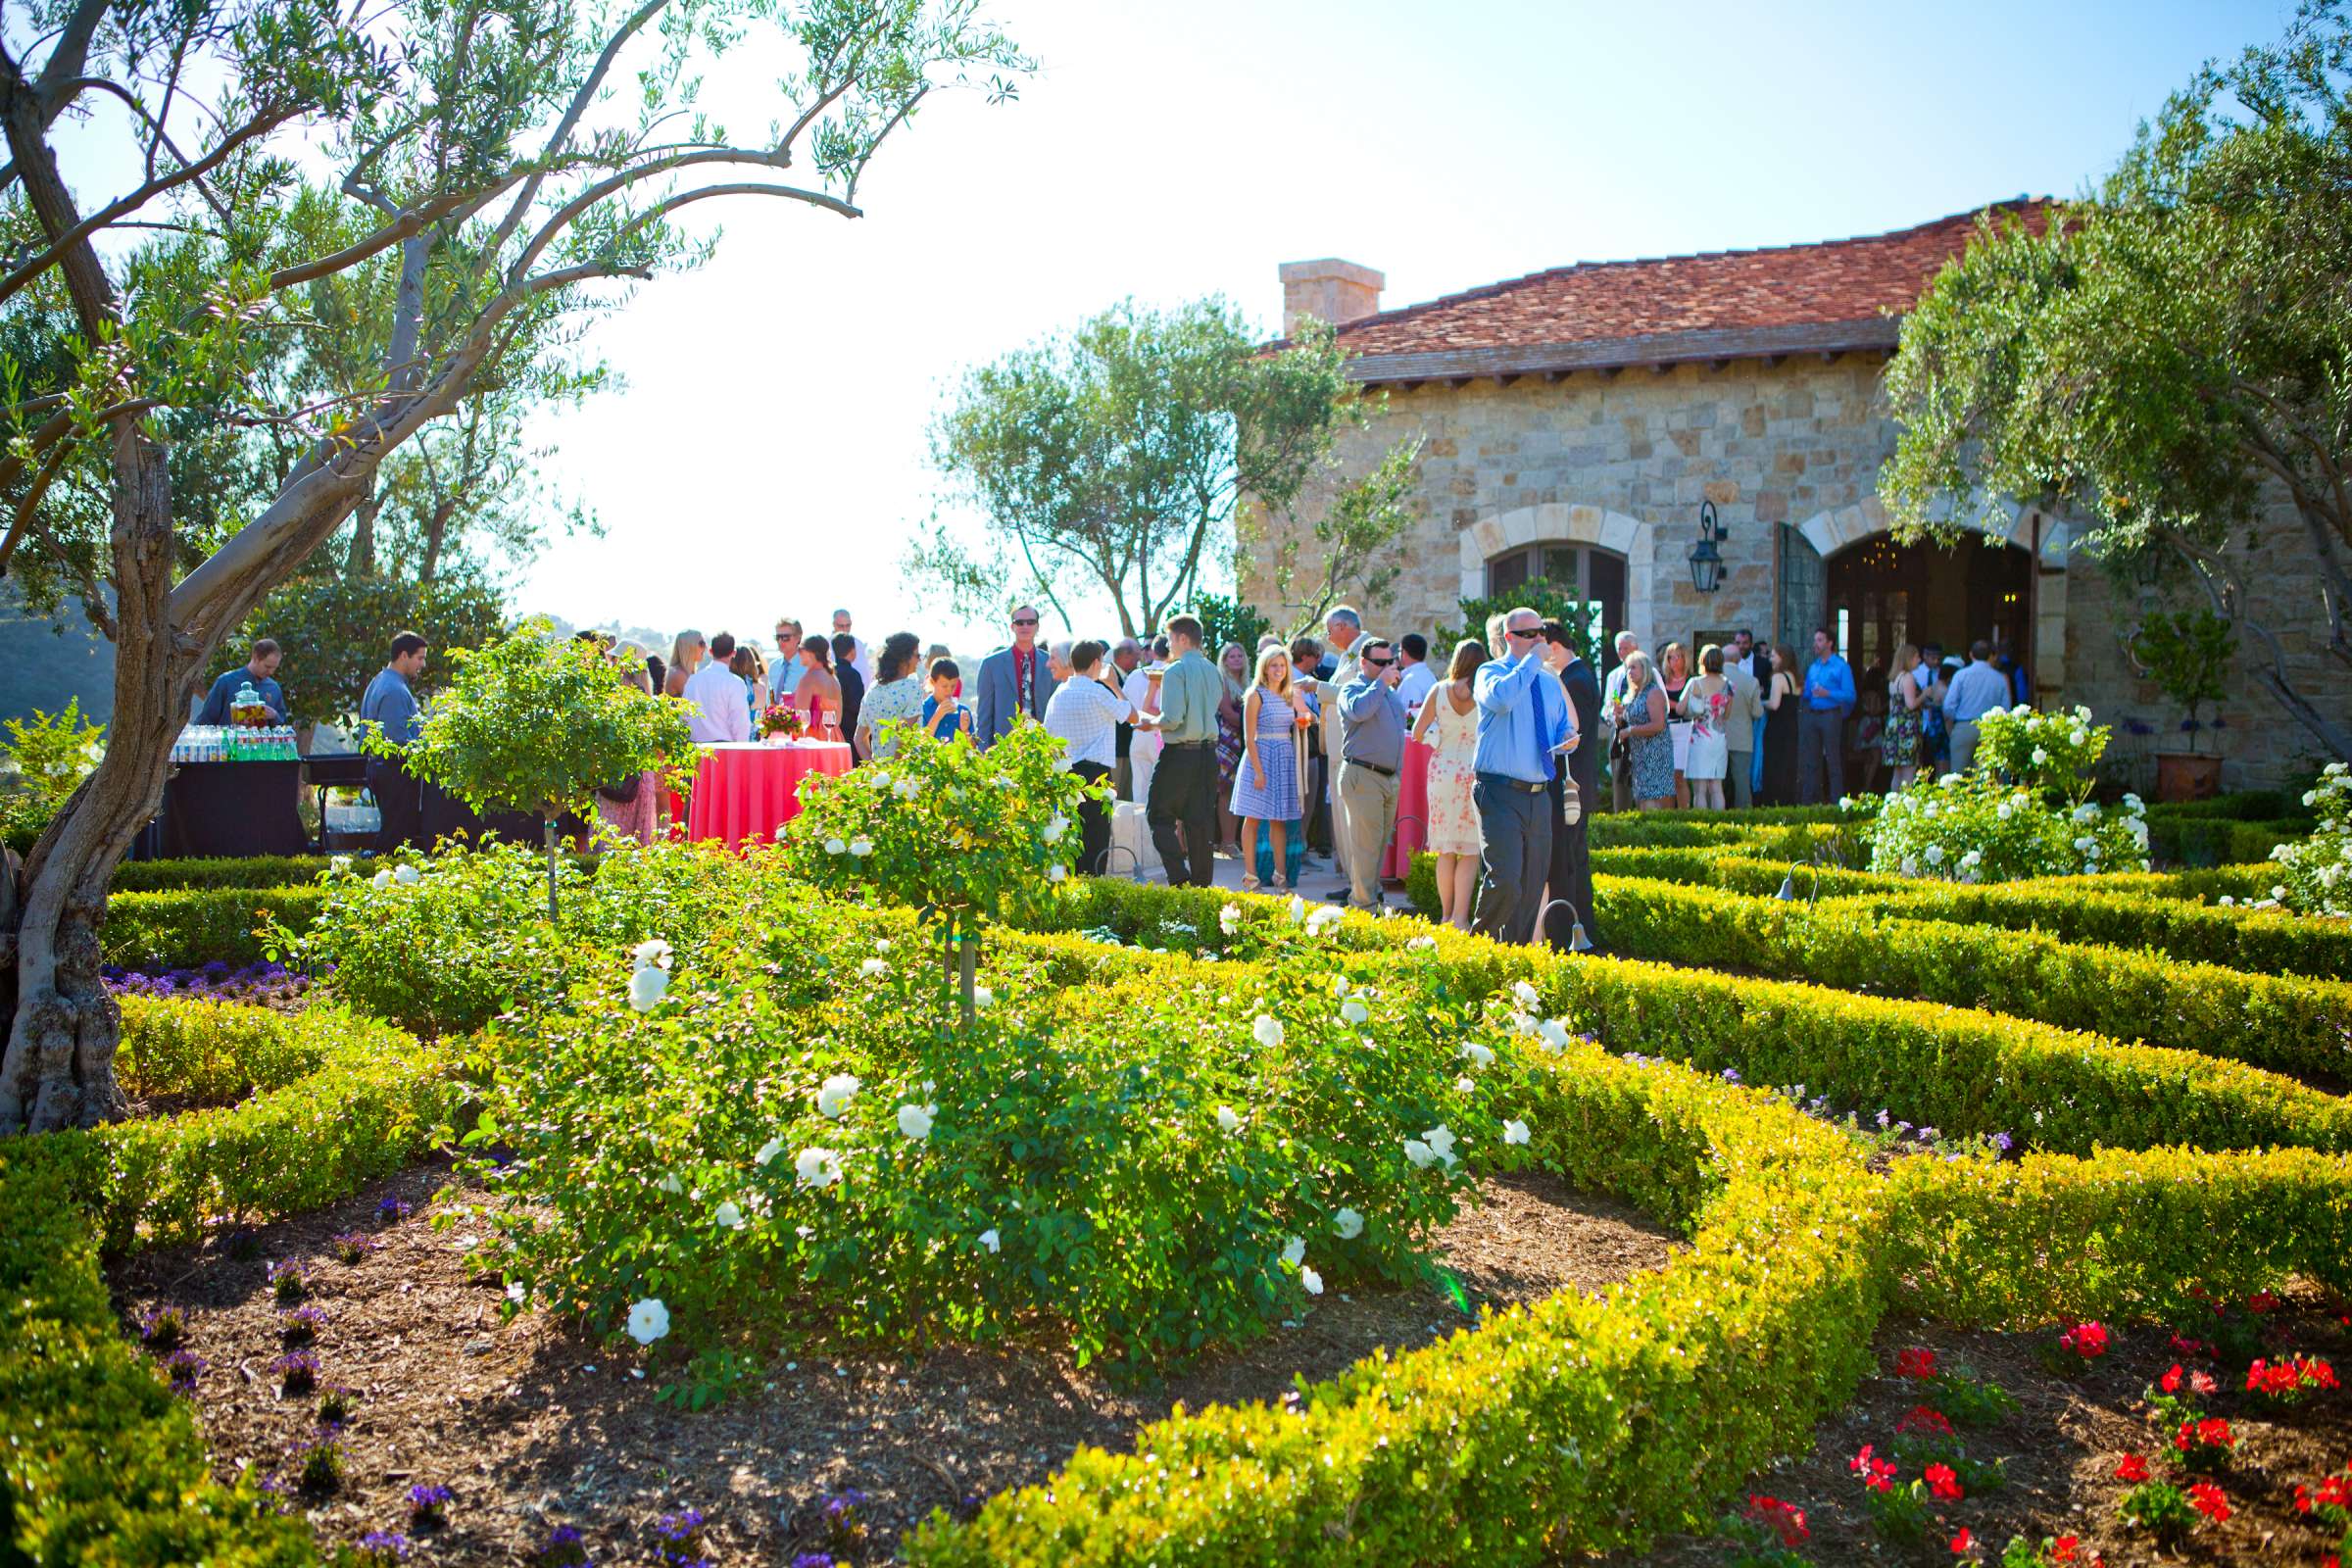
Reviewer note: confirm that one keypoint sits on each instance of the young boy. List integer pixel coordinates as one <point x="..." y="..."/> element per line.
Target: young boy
<point x="943" y="715"/>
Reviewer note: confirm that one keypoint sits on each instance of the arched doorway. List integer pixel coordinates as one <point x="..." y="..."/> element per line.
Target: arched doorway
<point x="1880" y="594"/>
<point x="1589" y="572"/>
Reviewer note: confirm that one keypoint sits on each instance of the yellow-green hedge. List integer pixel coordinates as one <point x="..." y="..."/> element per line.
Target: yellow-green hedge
<point x="182" y="928"/>
<point x="2285" y="1022"/>
<point x="1962" y="1070"/>
<point x="101" y="1463"/>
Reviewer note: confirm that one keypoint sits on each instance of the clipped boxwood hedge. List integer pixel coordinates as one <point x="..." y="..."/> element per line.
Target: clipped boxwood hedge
<point x="2287" y="1023"/>
<point x="182" y="928"/>
<point x="101" y="1463"/>
<point x="1965" y="1071"/>
<point x="246" y="872"/>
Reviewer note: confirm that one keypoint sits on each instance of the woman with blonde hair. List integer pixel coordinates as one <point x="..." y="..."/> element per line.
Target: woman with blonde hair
<point x="1705" y="703"/>
<point x="1899" y="741"/>
<point x="1265" y="786"/>
<point x="1450" y="727"/>
<point x="685" y="658"/>
<point x="1645" y="729"/>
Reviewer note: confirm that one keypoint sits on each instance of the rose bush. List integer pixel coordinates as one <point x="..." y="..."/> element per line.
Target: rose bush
<point x="2025" y="811"/>
<point x="2315" y="874"/>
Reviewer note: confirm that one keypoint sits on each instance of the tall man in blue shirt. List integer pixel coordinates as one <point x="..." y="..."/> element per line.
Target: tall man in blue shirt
<point x="1821" y="723"/>
<point x="255" y="672"/>
<point x="1523" y="721"/>
<point x="1975" y="692"/>
<point x="391" y="705"/>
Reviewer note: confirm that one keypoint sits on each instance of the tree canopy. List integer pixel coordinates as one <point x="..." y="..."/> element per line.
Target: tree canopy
<point x="2169" y="359"/>
<point x="1114" y="457"/>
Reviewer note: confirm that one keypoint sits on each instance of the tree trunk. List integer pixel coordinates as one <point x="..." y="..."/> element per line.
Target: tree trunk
<point x="59" y="1067"/>
<point x="436" y="529"/>
<point x="361" y="561"/>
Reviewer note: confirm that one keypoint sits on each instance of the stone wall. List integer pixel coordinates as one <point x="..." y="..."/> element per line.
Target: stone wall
<point x="1623" y="460"/>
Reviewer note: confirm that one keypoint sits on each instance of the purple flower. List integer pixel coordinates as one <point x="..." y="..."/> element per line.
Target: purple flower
<point x="2003" y="1141"/>
<point x="301" y="1325"/>
<point x="566" y="1547"/>
<point x="813" y="1559"/>
<point x="164" y="1328"/>
<point x="678" y="1529"/>
<point x="385" y="1545"/>
<point x="1731" y="1075"/>
<point x="392" y="1209"/>
<point x="184" y="1367"/>
<point x="285" y="1278"/>
<point x="298" y="1371"/>
<point x="425" y="1503"/>
<point x="352" y="1245"/>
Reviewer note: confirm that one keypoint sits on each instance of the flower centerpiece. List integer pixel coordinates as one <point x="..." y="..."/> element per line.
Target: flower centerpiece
<point x="781" y="720"/>
<point x="2186" y="654"/>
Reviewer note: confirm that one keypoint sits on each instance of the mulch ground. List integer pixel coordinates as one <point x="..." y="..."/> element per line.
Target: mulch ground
<point x="2062" y="1447"/>
<point x="531" y="1426"/>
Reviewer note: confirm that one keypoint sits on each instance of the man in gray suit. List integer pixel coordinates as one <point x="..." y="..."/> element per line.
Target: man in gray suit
<point x="1014" y="681"/>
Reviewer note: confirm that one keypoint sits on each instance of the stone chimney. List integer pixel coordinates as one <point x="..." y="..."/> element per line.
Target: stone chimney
<point x="1336" y="291"/>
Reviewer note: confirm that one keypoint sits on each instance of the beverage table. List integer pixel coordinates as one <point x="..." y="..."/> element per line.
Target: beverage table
<point x="234" y="808"/>
<point x="746" y="790"/>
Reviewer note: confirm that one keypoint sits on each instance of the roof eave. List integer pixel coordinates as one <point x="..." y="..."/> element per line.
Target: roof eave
<point x="1658" y="348"/>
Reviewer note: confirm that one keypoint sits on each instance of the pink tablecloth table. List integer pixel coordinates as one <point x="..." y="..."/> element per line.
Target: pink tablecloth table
<point x="1412" y="813"/>
<point x="744" y="791"/>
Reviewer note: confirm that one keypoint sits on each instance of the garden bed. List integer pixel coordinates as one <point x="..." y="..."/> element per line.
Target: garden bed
<point x="2061" y="1450"/>
<point x="532" y="1427"/>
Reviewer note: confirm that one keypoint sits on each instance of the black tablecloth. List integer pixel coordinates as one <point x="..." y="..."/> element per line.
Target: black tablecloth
<point x="234" y="808"/>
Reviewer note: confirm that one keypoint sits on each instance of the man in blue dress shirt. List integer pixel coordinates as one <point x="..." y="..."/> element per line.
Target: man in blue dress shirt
<point x="257" y="672"/>
<point x="1821" y="723"/>
<point x="1522" y="722"/>
<point x="391" y="705"/>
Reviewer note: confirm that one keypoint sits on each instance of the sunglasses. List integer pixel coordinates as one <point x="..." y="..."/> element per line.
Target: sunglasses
<point x="1024" y="620"/>
<point x="1376" y="664"/>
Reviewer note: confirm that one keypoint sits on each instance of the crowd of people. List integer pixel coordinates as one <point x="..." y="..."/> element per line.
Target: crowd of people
<point x="1297" y="750"/>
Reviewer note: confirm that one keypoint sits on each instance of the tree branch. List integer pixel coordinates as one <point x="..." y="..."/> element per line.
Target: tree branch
<point x="560" y="136"/>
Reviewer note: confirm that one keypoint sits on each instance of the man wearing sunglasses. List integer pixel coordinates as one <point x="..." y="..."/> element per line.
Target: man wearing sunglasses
<point x="1014" y="681"/>
<point x="1524" y="726"/>
<point x="1372" y="755"/>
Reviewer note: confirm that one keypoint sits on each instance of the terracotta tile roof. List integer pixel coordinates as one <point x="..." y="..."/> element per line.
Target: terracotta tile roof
<point x="1677" y="307"/>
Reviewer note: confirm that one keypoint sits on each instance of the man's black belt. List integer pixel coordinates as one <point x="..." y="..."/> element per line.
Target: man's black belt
<point x="1186" y="746"/>
<point x="1374" y="767"/>
<point x="1509" y="783"/>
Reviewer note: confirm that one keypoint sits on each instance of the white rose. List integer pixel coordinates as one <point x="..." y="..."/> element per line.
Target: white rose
<point x="341" y="864"/>
<point x="1464" y="1084"/>
<point x="1514" y="1132"/>
<point x="1526" y="993"/>
<point x="1441" y="1141"/>
<point x="1935" y="855"/>
<point x="646" y="987"/>
<point x="769" y="1151"/>
<point x="1056" y="871"/>
<point x="1553" y="1033"/>
<point x="729" y="1217"/>
<point x="915" y="1120"/>
<point x="406" y="876"/>
<point x="1310" y="1281"/>
<point x="1228" y="1120"/>
<point x="1354" y="1011"/>
<point x="1294" y="1250"/>
<point x="648" y="1320"/>
<point x="1267" y="1030"/>
<point x="834" y="1094"/>
<point x="1419" y="1153"/>
<point x="655" y="953"/>
<point x="1229" y="918"/>
<point x="837" y="846"/>
<point x="872" y="967"/>
<point x="990" y="1240"/>
<point x="1422" y="941"/>
<point x="1298" y="908"/>
<point x="2004" y="810"/>
<point x="381" y="880"/>
<point x="860" y="848"/>
<point x="1478" y="1056"/>
<point x="1348" y="1224"/>
<point x="670" y="1184"/>
<point x="981" y="997"/>
<point x="1055" y="826"/>
<point x="817" y="1167"/>
<point x="2039" y="757"/>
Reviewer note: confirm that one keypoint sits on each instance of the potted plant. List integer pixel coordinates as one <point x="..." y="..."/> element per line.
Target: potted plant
<point x="2186" y="654"/>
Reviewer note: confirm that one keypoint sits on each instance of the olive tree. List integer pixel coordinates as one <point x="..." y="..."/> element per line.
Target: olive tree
<point x="538" y="723"/>
<point x="2169" y="356"/>
<point x="503" y="163"/>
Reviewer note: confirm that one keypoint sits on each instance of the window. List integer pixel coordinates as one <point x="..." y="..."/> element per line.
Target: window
<point x="1590" y="572"/>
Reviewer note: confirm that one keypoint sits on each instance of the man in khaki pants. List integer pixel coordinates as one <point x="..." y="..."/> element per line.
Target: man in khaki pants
<point x="1374" y="757"/>
<point x="1342" y="628"/>
<point x="1739" y="733"/>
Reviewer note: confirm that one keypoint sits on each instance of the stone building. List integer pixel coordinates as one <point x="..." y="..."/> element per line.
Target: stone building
<point x="1574" y="421"/>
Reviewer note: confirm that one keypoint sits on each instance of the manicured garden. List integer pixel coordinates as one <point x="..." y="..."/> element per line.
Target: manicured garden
<point x="731" y="1215"/>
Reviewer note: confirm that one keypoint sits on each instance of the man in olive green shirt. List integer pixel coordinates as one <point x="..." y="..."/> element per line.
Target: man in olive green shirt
<point x="1184" y="786"/>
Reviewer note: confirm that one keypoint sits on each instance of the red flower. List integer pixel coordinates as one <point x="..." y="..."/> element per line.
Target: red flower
<point x="2201" y="1383"/>
<point x="1942" y="1482"/>
<point x="2086" y="1339"/>
<point x="2134" y="1467"/>
<point x="2210" y="1501"/>
<point x="1876" y="1474"/>
<point x="2063" y="1549"/>
<point x="1924" y="1418"/>
<point x="1916" y="1362"/>
<point x="2261" y="1301"/>
<point x="1962" y="1542"/>
<point x="2187" y="1347"/>
<point x="2319" y="1374"/>
<point x="2169" y="1382"/>
<point x="2214" y="1433"/>
<point x="1788" y="1520"/>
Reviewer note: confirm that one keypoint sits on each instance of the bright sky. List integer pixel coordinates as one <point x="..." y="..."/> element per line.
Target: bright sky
<point x="768" y="451"/>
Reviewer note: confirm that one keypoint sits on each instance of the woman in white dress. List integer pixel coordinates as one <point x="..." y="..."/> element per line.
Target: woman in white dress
<point x="1704" y="704"/>
<point x="1448" y="726"/>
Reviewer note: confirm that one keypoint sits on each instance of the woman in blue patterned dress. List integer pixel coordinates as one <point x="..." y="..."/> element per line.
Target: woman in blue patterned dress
<point x="1644" y="725"/>
<point x="1265" y="785"/>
